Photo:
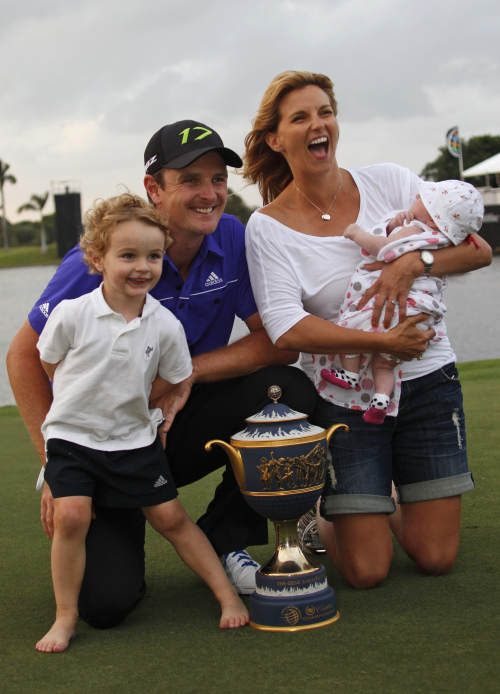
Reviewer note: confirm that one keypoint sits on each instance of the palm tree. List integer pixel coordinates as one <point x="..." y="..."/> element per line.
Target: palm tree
<point x="5" y="178"/>
<point x="37" y="203"/>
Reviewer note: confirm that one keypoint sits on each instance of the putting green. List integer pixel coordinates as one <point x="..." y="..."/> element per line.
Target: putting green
<point x="412" y="634"/>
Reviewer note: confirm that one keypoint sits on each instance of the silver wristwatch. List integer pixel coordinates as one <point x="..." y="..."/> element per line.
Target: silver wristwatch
<point x="427" y="258"/>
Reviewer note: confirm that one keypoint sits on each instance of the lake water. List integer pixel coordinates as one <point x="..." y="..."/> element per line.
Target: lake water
<point x="472" y="317"/>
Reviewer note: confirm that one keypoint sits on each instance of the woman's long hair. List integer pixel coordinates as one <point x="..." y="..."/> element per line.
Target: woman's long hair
<point x="269" y="169"/>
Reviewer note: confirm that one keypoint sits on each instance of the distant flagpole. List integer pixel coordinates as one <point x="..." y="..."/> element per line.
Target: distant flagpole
<point x="454" y="147"/>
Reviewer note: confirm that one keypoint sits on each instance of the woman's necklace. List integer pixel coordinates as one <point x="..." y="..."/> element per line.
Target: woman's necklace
<point x="324" y="215"/>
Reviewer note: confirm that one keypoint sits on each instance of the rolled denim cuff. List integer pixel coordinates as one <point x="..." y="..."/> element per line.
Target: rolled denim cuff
<point x="440" y="488"/>
<point x="356" y="503"/>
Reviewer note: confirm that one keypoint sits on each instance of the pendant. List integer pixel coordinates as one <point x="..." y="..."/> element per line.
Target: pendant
<point x="326" y="217"/>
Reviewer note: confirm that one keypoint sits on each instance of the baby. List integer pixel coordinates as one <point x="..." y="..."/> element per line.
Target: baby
<point x="443" y="213"/>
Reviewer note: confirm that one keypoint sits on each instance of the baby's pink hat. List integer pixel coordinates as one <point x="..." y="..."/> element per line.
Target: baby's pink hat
<point x="456" y="207"/>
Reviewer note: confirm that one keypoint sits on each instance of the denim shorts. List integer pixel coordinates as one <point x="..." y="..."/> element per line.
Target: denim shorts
<point x="423" y="449"/>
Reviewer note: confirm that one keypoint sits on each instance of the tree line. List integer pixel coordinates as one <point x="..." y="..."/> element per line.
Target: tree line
<point x="25" y="233"/>
<point x="475" y="150"/>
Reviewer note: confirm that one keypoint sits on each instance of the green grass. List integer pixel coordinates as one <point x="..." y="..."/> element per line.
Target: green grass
<point x="412" y="634"/>
<point x="22" y="256"/>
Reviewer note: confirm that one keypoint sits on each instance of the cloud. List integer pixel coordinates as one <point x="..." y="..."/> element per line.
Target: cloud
<point x="87" y="83"/>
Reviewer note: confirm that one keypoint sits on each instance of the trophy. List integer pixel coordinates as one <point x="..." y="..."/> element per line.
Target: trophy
<point x="280" y="461"/>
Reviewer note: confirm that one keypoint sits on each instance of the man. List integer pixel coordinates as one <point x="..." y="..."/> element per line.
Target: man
<point x="205" y="283"/>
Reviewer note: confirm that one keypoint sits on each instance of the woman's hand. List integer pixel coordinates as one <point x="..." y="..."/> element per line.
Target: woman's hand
<point x="394" y="284"/>
<point x="406" y="341"/>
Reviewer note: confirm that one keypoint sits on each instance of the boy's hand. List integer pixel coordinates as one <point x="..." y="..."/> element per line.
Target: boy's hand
<point x="163" y="437"/>
<point x="171" y="403"/>
<point x="47" y="511"/>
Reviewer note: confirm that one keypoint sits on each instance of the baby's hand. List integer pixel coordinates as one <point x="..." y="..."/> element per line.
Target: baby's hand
<point x="402" y="217"/>
<point x="351" y="231"/>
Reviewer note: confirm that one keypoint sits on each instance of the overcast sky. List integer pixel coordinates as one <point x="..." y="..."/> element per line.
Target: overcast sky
<point x="85" y="83"/>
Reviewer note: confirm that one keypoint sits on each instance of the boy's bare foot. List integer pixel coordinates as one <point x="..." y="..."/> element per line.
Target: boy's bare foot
<point x="57" y="639"/>
<point x="234" y="612"/>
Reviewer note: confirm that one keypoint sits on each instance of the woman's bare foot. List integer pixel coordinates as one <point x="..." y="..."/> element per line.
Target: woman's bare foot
<point x="234" y="612"/>
<point x="57" y="639"/>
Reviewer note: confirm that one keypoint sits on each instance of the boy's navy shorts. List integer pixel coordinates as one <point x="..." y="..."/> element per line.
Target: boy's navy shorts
<point x="119" y="479"/>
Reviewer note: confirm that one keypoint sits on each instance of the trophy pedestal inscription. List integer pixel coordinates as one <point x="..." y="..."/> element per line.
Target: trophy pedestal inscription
<point x="280" y="461"/>
<point x="292" y="591"/>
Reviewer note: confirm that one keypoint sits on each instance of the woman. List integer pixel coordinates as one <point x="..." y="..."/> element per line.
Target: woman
<point x="300" y="265"/>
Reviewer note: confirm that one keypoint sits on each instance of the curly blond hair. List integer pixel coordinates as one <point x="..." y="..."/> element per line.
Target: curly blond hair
<point x="269" y="169"/>
<point x="101" y="219"/>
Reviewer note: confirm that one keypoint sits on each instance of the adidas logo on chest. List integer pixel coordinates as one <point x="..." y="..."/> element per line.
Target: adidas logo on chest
<point x="212" y="279"/>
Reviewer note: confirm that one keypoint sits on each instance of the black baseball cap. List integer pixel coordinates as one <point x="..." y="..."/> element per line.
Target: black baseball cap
<point x="179" y="144"/>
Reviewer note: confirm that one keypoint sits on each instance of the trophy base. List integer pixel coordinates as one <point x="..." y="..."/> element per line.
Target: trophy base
<point x="292" y="602"/>
<point x="292" y="592"/>
<point x="293" y="613"/>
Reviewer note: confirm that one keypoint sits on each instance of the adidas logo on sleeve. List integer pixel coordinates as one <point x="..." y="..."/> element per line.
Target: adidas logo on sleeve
<point x="160" y="481"/>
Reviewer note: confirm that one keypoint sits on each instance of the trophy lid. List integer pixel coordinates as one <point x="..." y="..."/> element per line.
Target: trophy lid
<point x="276" y="421"/>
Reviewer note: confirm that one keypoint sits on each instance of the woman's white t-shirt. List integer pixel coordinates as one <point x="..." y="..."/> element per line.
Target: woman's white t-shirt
<point x="294" y="275"/>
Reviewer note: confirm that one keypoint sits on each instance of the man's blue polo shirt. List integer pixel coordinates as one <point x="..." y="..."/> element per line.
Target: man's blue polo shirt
<point x="216" y="290"/>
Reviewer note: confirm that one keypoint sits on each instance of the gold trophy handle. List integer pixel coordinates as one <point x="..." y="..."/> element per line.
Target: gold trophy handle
<point x="234" y="456"/>
<point x="334" y="428"/>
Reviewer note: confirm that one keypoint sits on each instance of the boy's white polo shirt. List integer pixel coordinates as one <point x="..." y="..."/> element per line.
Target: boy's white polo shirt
<point x="105" y="370"/>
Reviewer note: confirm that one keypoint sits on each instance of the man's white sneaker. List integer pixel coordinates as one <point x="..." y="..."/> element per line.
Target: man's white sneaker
<point x="240" y="569"/>
<point x="307" y="532"/>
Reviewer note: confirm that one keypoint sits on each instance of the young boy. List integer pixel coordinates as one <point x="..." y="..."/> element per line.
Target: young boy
<point x="108" y="353"/>
<point x="444" y="213"/>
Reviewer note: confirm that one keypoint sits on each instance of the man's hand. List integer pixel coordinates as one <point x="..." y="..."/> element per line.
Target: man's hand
<point x="394" y="284"/>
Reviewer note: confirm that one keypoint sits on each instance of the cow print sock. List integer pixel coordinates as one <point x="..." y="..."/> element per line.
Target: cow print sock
<point x="340" y="377"/>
